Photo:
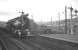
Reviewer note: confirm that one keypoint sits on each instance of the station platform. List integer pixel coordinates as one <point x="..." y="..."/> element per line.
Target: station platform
<point x="65" y="37"/>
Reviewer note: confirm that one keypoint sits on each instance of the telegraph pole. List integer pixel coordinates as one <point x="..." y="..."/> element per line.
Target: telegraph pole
<point x="71" y="9"/>
<point x="70" y="23"/>
<point x="65" y="19"/>
<point x="59" y="19"/>
<point x="51" y="20"/>
<point x="41" y="21"/>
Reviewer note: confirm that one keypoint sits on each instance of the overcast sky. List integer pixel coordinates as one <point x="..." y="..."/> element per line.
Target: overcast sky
<point x="39" y="9"/>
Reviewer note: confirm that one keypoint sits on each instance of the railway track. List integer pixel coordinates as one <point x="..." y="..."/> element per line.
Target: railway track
<point x="2" y="46"/>
<point x="9" y="43"/>
<point x="33" y="43"/>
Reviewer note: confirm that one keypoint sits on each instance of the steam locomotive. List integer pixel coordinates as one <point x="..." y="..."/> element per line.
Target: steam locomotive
<point x="19" y="26"/>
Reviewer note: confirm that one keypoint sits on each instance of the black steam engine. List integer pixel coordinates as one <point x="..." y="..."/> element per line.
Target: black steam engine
<point x="19" y="26"/>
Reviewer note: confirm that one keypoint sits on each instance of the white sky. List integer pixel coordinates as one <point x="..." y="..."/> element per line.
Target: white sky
<point x="40" y="9"/>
